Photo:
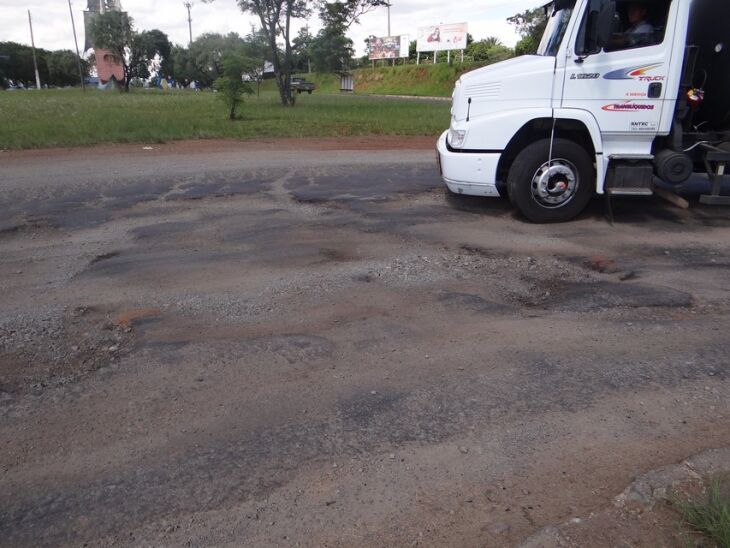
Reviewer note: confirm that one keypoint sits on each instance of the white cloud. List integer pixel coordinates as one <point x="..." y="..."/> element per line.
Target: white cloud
<point x="52" y="24"/>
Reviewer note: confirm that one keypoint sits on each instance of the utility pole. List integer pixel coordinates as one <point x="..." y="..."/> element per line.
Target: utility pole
<point x="388" y="4"/>
<point x="35" y="60"/>
<point x="309" y="59"/>
<point x="190" y="20"/>
<point x="76" y="41"/>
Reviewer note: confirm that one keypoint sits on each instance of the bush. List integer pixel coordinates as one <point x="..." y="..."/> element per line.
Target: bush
<point x="231" y="87"/>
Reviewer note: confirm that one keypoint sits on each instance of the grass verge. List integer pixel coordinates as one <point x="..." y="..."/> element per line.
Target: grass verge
<point x="51" y="118"/>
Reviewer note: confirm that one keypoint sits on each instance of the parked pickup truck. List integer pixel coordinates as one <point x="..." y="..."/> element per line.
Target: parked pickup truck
<point x="300" y="85"/>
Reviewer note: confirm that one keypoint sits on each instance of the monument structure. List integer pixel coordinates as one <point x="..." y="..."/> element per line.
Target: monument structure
<point x="108" y="68"/>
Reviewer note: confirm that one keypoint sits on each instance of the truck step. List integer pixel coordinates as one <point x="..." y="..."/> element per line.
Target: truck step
<point x="630" y="177"/>
<point x="628" y="191"/>
<point x="716" y="161"/>
<point x="631" y="157"/>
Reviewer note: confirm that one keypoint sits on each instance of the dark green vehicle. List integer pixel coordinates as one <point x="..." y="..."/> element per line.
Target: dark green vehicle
<point x="300" y="85"/>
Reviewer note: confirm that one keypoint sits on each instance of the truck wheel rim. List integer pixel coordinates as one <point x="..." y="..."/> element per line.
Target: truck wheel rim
<point x="554" y="183"/>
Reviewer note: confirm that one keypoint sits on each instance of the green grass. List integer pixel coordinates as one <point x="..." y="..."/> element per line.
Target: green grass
<point x="426" y="80"/>
<point x="49" y="118"/>
<point x="710" y="516"/>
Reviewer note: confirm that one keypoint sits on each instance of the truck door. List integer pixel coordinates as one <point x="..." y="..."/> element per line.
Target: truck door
<point x="623" y="84"/>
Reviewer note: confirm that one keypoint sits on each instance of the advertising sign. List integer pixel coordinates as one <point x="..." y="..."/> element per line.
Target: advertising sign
<point x="388" y="47"/>
<point x="442" y="37"/>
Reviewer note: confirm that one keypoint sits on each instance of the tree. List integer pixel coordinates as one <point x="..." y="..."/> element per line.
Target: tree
<point x="202" y="62"/>
<point x="489" y="50"/>
<point x="206" y="54"/>
<point x="63" y="69"/>
<point x="148" y="52"/>
<point x="16" y="63"/>
<point x="275" y="17"/>
<point x="331" y="50"/>
<point x="179" y="65"/>
<point x="56" y="68"/>
<point x="346" y="13"/>
<point x="162" y="48"/>
<point x="255" y="48"/>
<point x="231" y="86"/>
<point x="301" y="49"/>
<point x="114" y="31"/>
<point x="530" y="26"/>
<point x="254" y="45"/>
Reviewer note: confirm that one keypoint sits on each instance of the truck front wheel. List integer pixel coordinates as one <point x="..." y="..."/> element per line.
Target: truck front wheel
<point x="551" y="190"/>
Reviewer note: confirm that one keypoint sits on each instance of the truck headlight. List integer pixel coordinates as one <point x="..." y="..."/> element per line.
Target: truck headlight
<point x="457" y="137"/>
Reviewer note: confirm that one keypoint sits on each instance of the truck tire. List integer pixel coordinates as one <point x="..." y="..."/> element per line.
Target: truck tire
<point x="555" y="193"/>
<point x="309" y="92"/>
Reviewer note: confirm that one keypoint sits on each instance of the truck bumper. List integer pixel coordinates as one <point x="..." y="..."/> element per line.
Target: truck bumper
<point x="470" y="173"/>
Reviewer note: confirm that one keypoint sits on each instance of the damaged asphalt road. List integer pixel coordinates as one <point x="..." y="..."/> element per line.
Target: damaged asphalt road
<point x="324" y="348"/>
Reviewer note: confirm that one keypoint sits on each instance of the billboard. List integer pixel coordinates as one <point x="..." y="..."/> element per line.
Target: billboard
<point x="388" y="47"/>
<point x="442" y="37"/>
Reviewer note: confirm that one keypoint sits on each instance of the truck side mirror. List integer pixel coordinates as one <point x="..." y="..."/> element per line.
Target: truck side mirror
<point x="605" y="22"/>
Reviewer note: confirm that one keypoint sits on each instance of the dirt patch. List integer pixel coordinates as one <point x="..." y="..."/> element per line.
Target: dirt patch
<point x="207" y="146"/>
<point x="129" y="317"/>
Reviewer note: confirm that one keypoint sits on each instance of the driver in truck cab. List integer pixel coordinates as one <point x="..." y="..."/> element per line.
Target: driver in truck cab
<point x="639" y="31"/>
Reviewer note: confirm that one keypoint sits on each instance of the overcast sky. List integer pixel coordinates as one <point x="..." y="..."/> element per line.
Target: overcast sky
<point x="52" y="26"/>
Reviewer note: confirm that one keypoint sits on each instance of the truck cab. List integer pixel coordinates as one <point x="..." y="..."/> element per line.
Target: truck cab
<point x="619" y="92"/>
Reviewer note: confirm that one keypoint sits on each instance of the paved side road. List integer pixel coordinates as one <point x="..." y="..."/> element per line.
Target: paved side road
<point x="270" y="346"/>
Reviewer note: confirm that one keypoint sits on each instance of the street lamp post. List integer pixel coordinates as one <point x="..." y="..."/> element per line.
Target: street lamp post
<point x="35" y="60"/>
<point x="76" y="41"/>
<point x="190" y="20"/>
<point x="388" y="4"/>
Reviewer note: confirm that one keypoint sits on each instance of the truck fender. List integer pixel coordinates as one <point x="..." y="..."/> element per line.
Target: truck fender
<point x="481" y="133"/>
<point x="591" y="125"/>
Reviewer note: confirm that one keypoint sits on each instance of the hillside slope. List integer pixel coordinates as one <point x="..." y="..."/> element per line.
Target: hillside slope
<point x="418" y="80"/>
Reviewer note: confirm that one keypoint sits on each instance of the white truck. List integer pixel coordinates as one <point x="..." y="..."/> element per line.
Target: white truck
<point x="619" y="92"/>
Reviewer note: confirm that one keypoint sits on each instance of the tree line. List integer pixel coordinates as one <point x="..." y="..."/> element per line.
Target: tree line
<point x="56" y="68"/>
<point x="150" y="52"/>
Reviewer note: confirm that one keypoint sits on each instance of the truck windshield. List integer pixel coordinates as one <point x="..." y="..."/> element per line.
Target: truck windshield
<point x="554" y="32"/>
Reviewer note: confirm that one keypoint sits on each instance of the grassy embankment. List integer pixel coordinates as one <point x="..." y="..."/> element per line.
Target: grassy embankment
<point x="48" y="118"/>
<point x="420" y="80"/>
